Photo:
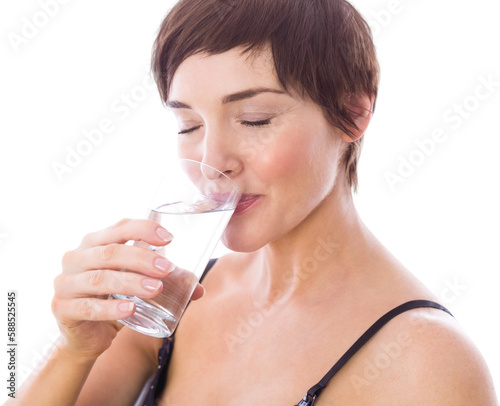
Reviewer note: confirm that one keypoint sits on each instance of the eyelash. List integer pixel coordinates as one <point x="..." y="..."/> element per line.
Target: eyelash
<point x="260" y="123"/>
<point x="189" y="130"/>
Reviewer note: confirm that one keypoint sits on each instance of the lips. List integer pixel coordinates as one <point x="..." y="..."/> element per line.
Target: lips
<point x="246" y="202"/>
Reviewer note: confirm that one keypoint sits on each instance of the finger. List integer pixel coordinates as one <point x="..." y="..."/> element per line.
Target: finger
<point x="106" y="282"/>
<point x="126" y="230"/>
<point x="198" y="293"/>
<point x="92" y="309"/>
<point x="117" y="256"/>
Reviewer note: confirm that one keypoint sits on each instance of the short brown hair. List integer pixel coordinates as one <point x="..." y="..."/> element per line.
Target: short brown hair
<point x="322" y="48"/>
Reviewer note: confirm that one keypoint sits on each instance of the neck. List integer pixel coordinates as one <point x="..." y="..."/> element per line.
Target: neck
<point x="320" y="255"/>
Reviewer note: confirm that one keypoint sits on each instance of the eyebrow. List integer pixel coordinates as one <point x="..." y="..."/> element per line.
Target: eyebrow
<point x="245" y="94"/>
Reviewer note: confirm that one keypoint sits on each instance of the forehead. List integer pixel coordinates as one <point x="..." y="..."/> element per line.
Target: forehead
<point x="221" y="74"/>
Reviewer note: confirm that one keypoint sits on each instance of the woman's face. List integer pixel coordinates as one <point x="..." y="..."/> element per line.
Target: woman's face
<point x="277" y="147"/>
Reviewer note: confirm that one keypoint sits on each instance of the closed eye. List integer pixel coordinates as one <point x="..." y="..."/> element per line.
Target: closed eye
<point x="189" y="130"/>
<point x="259" y="123"/>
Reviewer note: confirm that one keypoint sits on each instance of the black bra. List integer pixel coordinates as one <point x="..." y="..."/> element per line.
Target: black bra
<point x="157" y="385"/>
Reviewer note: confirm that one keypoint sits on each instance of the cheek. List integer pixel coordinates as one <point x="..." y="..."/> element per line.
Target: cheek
<point x="189" y="150"/>
<point x="288" y="156"/>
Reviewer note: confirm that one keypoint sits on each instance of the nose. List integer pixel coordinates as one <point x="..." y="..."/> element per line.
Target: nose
<point x="221" y="152"/>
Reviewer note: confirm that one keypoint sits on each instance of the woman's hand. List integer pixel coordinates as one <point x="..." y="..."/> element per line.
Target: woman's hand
<point x="86" y="319"/>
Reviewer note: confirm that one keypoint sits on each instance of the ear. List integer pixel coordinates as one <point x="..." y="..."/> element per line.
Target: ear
<point x="361" y="109"/>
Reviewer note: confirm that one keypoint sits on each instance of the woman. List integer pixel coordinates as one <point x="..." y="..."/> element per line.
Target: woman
<point x="277" y="94"/>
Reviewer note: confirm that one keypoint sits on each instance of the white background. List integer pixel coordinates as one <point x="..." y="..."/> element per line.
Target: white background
<point x="442" y="222"/>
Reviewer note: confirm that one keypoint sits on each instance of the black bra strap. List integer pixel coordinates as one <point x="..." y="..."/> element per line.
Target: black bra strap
<point x="210" y="264"/>
<point x="314" y="392"/>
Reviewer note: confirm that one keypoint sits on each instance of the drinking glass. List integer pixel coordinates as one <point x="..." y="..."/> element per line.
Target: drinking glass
<point x="194" y="203"/>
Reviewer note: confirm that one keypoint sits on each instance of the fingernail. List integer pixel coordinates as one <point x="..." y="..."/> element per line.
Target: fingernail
<point x="164" y="234"/>
<point x="164" y="265"/>
<point x="126" y="307"/>
<point x="151" y="284"/>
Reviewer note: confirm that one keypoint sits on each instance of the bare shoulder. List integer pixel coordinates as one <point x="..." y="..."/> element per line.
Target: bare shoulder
<point x="447" y="367"/>
<point x="430" y="361"/>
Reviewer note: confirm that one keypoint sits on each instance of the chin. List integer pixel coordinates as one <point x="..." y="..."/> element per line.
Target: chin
<point x="237" y="240"/>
